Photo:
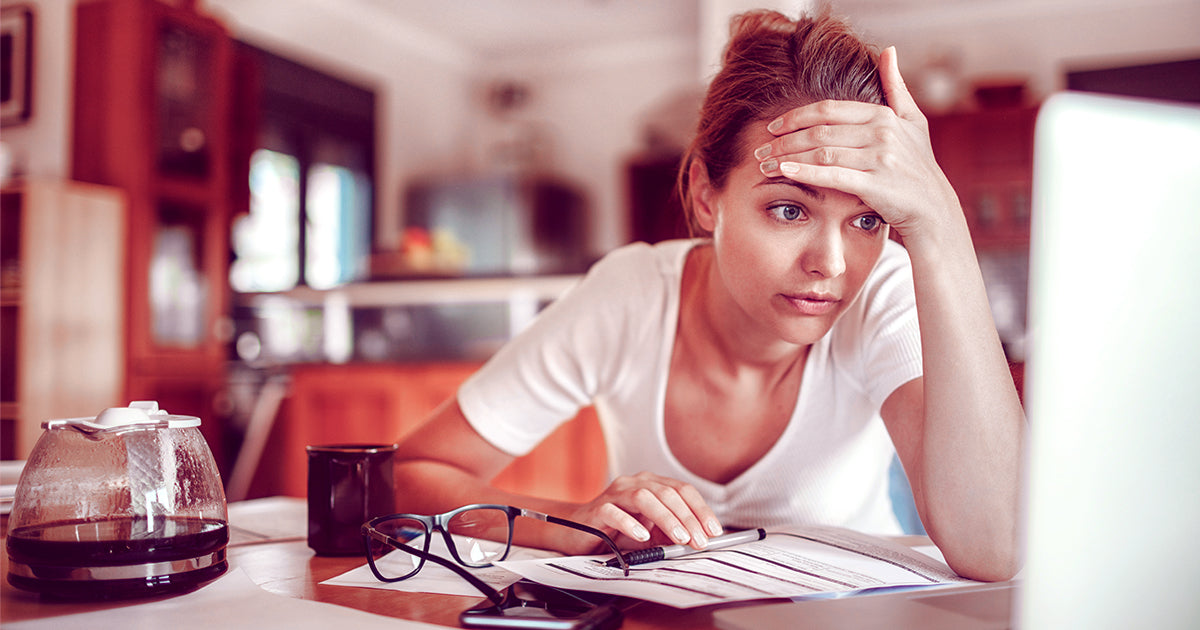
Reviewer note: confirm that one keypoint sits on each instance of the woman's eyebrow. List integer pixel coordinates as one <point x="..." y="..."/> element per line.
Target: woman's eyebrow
<point x="815" y="193"/>
<point x="805" y="188"/>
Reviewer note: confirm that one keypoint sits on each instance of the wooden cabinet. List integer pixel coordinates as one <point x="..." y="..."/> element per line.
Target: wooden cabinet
<point x="151" y="116"/>
<point x="378" y="403"/>
<point x="988" y="157"/>
<point x="62" y="297"/>
<point x="655" y="211"/>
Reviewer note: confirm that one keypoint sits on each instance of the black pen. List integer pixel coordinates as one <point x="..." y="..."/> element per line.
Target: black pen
<point x="653" y="554"/>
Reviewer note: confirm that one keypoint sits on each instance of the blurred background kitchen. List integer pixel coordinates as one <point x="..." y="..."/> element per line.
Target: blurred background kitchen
<point x="306" y="221"/>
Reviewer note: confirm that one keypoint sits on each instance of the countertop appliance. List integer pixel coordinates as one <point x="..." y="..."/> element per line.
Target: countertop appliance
<point x="126" y="504"/>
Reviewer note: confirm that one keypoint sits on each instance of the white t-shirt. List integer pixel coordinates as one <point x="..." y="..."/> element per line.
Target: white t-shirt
<point x="608" y="342"/>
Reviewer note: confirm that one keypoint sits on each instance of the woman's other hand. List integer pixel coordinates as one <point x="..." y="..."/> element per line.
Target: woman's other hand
<point x="646" y="509"/>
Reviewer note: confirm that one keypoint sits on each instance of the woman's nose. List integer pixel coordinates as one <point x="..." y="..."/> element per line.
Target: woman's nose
<point x="825" y="254"/>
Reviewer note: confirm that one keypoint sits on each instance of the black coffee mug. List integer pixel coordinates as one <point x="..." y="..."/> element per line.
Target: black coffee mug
<point x="348" y="485"/>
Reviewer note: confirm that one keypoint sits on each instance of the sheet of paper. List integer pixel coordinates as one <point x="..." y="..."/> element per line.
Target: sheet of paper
<point x="10" y="473"/>
<point x="232" y="601"/>
<point x="271" y="519"/>
<point x="932" y="551"/>
<point x="434" y="578"/>
<point x="7" y="493"/>
<point x="795" y="563"/>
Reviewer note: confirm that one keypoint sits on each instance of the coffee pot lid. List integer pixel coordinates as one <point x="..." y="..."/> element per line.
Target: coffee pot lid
<point x="139" y="412"/>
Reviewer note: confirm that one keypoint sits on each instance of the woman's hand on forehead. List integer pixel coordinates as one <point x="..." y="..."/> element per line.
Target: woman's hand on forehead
<point x="881" y="154"/>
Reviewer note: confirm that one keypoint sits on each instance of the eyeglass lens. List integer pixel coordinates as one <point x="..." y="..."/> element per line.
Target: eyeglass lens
<point x="480" y="537"/>
<point x="399" y="565"/>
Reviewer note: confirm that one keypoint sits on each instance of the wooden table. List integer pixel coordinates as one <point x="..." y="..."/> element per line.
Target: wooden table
<point x="288" y="567"/>
<point x="292" y="569"/>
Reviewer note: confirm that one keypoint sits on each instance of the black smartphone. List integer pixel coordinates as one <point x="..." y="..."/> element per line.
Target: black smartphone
<point x="535" y="606"/>
<point x="488" y="616"/>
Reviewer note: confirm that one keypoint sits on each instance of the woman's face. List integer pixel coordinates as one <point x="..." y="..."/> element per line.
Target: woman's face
<point x="792" y="257"/>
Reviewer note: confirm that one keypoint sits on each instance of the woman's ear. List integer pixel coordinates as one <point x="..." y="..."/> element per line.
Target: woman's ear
<point x="701" y="191"/>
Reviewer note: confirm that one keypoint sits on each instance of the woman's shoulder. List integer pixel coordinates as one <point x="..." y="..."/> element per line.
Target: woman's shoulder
<point x="894" y="258"/>
<point x="644" y="265"/>
<point x="891" y="277"/>
<point x="665" y="255"/>
<point x="880" y="331"/>
<point x="887" y="294"/>
<point x="628" y="284"/>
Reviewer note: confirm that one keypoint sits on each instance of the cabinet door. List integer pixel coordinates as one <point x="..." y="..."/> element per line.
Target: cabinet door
<point x="62" y="303"/>
<point x="571" y="464"/>
<point x="152" y="116"/>
<point x="988" y="158"/>
<point x="655" y="211"/>
<point x="328" y="405"/>
<point x="371" y="403"/>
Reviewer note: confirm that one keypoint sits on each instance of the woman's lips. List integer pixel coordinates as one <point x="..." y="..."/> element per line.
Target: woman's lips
<point x="812" y="304"/>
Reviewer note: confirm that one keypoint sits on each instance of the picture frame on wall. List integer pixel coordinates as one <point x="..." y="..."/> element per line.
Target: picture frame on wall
<point x="16" y="75"/>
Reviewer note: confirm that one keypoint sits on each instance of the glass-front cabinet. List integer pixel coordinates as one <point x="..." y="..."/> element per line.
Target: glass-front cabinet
<point x="152" y="117"/>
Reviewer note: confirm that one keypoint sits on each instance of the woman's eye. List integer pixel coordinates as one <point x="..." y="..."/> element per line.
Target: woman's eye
<point x="786" y="212"/>
<point x="869" y="222"/>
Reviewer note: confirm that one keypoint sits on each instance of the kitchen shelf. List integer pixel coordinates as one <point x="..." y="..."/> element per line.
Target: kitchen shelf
<point x="426" y="292"/>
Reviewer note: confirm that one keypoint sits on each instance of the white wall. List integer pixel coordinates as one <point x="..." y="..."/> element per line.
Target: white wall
<point x="422" y="83"/>
<point x="714" y="25"/>
<point x="586" y="101"/>
<point x="593" y="101"/>
<point x="1038" y="40"/>
<point x="41" y="146"/>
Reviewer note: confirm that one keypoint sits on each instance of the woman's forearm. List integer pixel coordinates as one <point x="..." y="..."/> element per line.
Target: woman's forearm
<point x="972" y="435"/>
<point x="428" y="487"/>
<point x="445" y="464"/>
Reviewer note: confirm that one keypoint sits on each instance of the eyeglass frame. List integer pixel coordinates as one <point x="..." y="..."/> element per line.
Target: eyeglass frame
<point x="439" y="522"/>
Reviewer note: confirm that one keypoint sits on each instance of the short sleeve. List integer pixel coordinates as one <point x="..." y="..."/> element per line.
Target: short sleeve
<point x="564" y="360"/>
<point x="881" y="337"/>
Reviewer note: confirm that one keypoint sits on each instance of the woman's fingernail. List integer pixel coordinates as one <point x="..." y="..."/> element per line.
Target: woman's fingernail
<point x="789" y="168"/>
<point x="775" y="125"/>
<point x="763" y="152"/>
<point x="769" y="167"/>
<point x="680" y="534"/>
<point x="640" y="534"/>
<point x="714" y="528"/>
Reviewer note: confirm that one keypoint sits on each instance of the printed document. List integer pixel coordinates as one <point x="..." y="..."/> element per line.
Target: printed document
<point x="792" y="563"/>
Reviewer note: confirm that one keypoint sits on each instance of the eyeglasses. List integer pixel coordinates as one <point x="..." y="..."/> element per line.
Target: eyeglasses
<point x="477" y="536"/>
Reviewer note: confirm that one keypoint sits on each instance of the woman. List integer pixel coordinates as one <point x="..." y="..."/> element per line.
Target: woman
<point x="761" y="374"/>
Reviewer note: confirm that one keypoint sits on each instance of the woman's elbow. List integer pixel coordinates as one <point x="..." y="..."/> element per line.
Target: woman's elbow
<point x="996" y="560"/>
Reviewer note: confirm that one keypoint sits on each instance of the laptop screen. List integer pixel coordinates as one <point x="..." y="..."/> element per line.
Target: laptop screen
<point x="1113" y="386"/>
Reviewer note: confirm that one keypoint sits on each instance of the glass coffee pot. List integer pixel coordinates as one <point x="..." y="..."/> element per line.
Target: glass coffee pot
<point x="125" y="504"/>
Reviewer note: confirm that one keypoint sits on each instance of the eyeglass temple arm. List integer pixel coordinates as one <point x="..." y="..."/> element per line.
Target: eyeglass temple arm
<point x="491" y="593"/>
<point x="583" y="528"/>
